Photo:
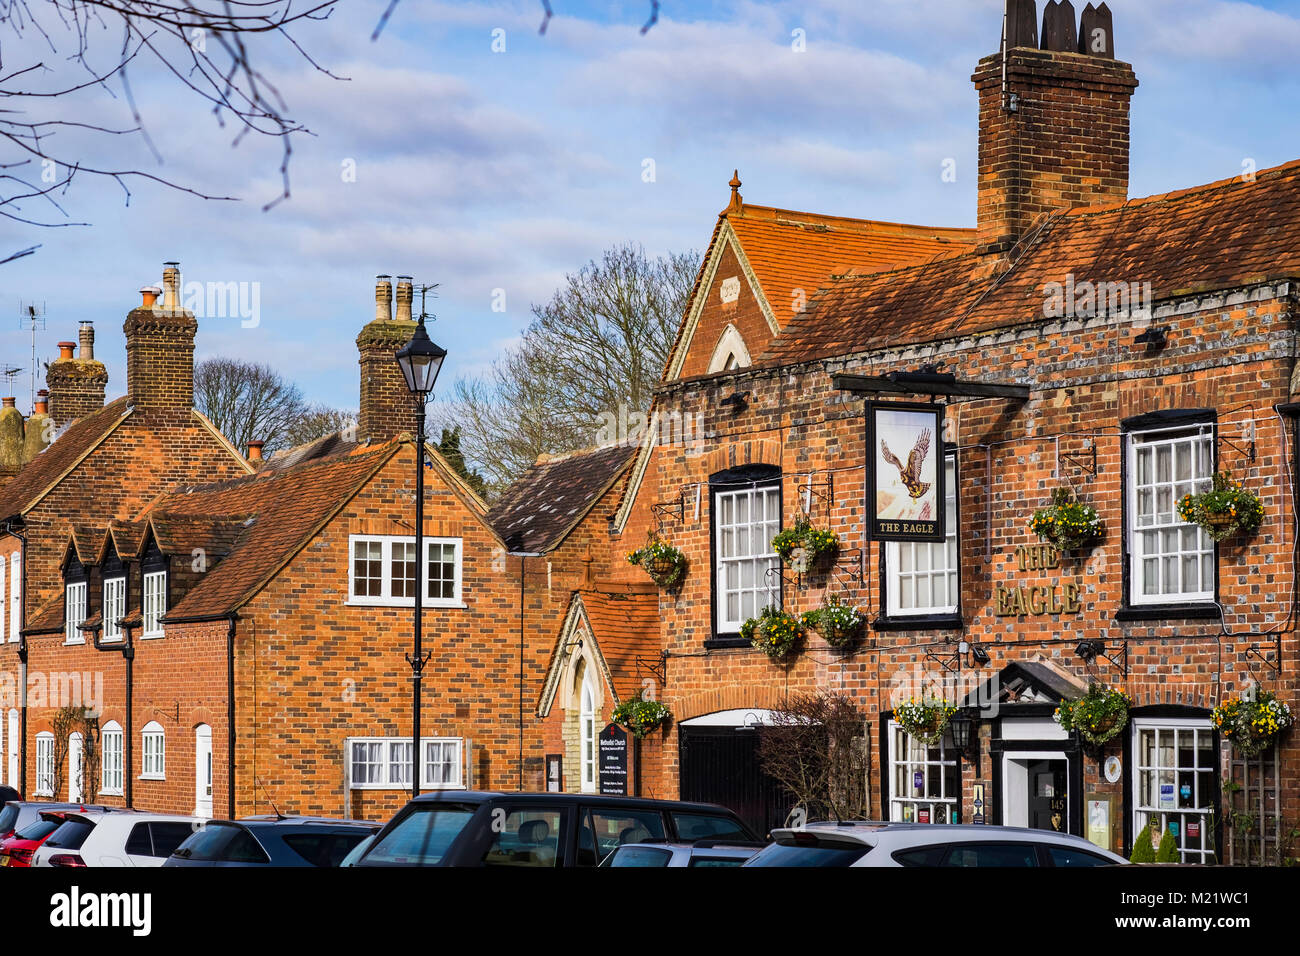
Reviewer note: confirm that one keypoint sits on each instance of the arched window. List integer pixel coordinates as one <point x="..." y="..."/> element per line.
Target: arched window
<point x="45" y="764"/>
<point x="731" y="352"/>
<point x="153" y="747"/>
<point x="587" y="725"/>
<point x="110" y="746"/>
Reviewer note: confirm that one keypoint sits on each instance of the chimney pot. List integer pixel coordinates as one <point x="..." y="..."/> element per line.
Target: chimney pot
<point x="42" y="406"/>
<point x="10" y="402"/>
<point x="149" y="295"/>
<point x="383" y="298"/>
<point x="255" y="450"/>
<point x="172" y="286"/>
<point x="86" y="334"/>
<point x="66" y="349"/>
<point x="405" y="292"/>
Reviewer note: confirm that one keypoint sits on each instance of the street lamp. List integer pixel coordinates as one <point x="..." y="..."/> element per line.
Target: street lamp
<point x="421" y="360"/>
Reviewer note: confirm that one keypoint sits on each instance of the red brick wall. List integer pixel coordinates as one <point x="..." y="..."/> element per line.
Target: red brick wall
<point x="745" y="314"/>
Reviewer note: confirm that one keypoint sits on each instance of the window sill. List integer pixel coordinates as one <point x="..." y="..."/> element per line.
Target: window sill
<point x="151" y="776"/>
<point x="1168" y="612"/>
<point x="723" y="641"/>
<point x="44" y="793"/>
<point x="922" y="622"/>
<point x="110" y="793"/>
<point x="155" y="636"/>
<point x="405" y="787"/>
<point x="74" y="643"/>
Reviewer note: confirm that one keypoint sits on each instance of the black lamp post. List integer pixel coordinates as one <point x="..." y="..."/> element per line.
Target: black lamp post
<point x="421" y="360"/>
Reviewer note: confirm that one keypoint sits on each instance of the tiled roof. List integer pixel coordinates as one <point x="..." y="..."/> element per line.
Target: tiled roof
<point x="797" y="250"/>
<point x="324" y="447"/>
<point x="44" y="471"/>
<point x="537" y="512"/>
<point x="216" y="535"/>
<point x="127" y="537"/>
<point x="283" y="508"/>
<point x="1220" y="236"/>
<point x="624" y="621"/>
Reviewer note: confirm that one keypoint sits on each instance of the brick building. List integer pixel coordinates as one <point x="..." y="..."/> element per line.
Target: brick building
<point x="1123" y="349"/>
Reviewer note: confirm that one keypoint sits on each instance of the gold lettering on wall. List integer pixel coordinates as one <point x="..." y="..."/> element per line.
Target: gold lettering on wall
<point x="1058" y="597"/>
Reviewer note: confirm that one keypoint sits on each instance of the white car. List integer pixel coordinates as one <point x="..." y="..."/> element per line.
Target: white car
<point x="119" y="838"/>
<point x="923" y="844"/>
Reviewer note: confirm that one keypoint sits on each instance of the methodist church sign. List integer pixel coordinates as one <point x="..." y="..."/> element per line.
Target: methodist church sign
<point x="613" y="760"/>
<point x="1057" y="596"/>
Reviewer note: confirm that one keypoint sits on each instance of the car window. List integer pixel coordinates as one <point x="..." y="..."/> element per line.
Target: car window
<point x="138" y="842"/>
<point x="244" y="848"/>
<point x="643" y="856"/>
<point x="324" y="849"/>
<point x="698" y="826"/>
<point x="717" y="861"/>
<point x="992" y="854"/>
<point x="611" y="829"/>
<point x="921" y="856"/>
<point x="421" y="838"/>
<point x="8" y="817"/>
<point x="209" y="842"/>
<point x="778" y="854"/>
<point x="525" y="837"/>
<point x="38" y="830"/>
<point x="70" y="835"/>
<point x="166" y="837"/>
<point x="1069" y="856"/>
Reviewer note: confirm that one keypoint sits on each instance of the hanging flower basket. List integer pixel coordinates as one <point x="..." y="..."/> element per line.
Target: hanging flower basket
<point x="925" y="720"/>
<point x="1098" y="716"/>
<point x="641" y="717"/>
<point x="1224" y="510"/>
<point x="663" y="562"/>
<point x="1067" y="524"/>
<point x="1253" y="722"/>
<point x="775" y="632"/>
<point x="802" y="546"/>
<point x="840" y="625"/>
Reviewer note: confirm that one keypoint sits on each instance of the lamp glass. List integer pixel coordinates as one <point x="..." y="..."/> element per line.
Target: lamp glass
<point x="421" y="360"/>
<point x="961" y="726"/>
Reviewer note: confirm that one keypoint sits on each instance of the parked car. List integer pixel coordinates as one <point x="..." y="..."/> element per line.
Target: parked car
<point x="16" y="814"/>
<point x="922" y="844"/>
<point x="704" y="853"/>
<point x="17" y="851"/>
<point x="468" y="828"/>
<point x="7" y="794"/>
<point x="272" y="841"/>
<point x="125" y="838"/>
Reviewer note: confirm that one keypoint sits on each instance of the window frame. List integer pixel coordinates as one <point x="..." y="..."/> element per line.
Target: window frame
<point x="387" y="745"/>
<point x="1173" y="426"/>
<point x="45" y="774"/>
<point x="1138" y="813"/>
<point x="749" y="478"/>
<point x="112" y="731"/>
<point x="153" y="733"/>
<point x="112" y="613"/>
<point x="15" y="598"/>
<point x="159" y="594"/>
<point x="893" y="618"/>
<point x="71" y="623"/>
<point x="385" y="598"/>
<point x="948" y="757"/>
<point x="588" y="738"/>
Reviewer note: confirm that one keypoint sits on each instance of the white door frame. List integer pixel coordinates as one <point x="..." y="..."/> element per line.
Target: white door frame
<point x="1015" y="804"/>
<point x="203" y="771"/>
<point x="76" y="753"/>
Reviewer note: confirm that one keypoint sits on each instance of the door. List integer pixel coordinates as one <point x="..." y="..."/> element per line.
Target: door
<point x="1048" y="797"/>
<point x="203" y="771"/>
<point x="75" y="783"/>
<point x="721" y="765"/>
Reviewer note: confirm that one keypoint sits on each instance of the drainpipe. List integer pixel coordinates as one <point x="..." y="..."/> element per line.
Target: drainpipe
<point x="230" y="715"/>
<point x="11" y="527"/>
<point x="125" y="647"/>
<point x="523" y="557"/>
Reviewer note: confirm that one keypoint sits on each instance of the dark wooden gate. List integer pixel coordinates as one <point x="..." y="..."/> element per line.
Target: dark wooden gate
<point x="720" y="765"/>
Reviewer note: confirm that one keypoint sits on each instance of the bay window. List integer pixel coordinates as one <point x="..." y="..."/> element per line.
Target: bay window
<point x="746" y="517"/>
<point x="1170" y="560"/>
<point x="382" y="571"/>
<point x="921" y="579"/>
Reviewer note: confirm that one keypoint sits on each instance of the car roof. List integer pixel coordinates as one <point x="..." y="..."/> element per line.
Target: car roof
<point x="269" y="820"/>
<point x="876" y="832"/>
<point x="591" y="799"/>
<point x="704" y="847"/>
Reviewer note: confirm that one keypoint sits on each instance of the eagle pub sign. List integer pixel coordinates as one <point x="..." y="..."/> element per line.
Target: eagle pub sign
<point x="905" y="454"/>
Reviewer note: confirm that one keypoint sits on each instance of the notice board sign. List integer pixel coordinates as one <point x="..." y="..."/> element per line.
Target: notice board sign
<point x="613" y="760"/>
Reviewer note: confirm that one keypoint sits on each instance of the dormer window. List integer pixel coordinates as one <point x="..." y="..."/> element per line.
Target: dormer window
<point x="154" y="592"/>
<point x="114" y="597"/>
<point x="75" y="584"/>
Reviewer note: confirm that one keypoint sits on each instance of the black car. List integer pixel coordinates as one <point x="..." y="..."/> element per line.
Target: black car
<point x="466" y="828"/>
<point x="272" y="841"/>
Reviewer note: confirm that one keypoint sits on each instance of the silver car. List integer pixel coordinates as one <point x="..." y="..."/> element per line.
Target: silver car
<point x="704" y="853"/>
<point x="923" y="844"/>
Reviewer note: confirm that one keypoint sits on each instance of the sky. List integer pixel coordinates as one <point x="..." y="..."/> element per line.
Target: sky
<point x="466" y="149"/>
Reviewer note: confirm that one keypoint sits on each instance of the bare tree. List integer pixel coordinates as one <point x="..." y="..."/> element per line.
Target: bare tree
<point x="597" y="349"/>
<point x="60" y="53"/>
<point x="247" y="401"/>
<point x="816" y="748"/>
<point x="317" y="421"/>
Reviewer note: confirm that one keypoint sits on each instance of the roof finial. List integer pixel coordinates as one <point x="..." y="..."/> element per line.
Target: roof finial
<point x="737" y="200"/>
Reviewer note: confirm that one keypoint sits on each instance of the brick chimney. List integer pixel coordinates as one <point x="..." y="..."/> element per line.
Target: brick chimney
<point x="76" y="385"/>
<point x="387" y="406"/>
<point x="160" y="348"/>
<point x="1054" y="120"/>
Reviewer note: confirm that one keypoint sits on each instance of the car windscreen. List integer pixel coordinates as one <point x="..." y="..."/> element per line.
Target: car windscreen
<point x="422" y="837"/>
<point x="692" y="827"/>
<point x="70" y="835"/>
<point x="643" y="856"/>
<point x="8" y="817"/>
<point x="808" y="854"/>
<point x="38" y="830"/>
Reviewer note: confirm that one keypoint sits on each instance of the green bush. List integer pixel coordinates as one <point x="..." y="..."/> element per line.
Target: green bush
<point x="1142" y="849"/>
<point x="1168" y="852"/>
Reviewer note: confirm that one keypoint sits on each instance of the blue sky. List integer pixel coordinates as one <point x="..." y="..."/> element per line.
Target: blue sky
<point x="487" y="171"/>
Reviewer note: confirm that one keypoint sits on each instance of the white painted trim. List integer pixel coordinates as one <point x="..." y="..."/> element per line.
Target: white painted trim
<point x="739" y="717"/>
<point x="730" y="343"/>
<point x="1023" y="756"/>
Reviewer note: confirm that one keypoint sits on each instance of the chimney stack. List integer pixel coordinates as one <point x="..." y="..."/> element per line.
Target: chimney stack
<point x="255" y="451"/>
<point x="76" y="385"/>
<point x="405" y="292"/>
<point x="160" y="350"/>
<point x="387" y="406"/>
<point x="1054" y="122"/>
